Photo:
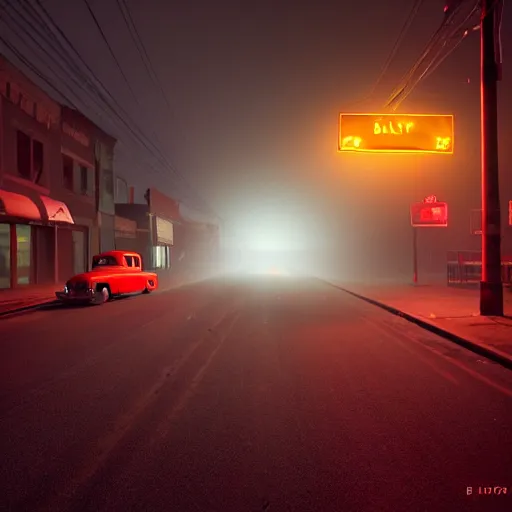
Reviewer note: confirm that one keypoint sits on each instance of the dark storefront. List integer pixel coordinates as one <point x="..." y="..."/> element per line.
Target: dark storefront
<point x="33" y="239"/>
<point x="30" y="215"/>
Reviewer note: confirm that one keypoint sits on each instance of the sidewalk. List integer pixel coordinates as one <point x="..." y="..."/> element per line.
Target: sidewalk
<point x="454" y="311"/>
<point x="20" y="298"/>
<point x="13" y="300"/>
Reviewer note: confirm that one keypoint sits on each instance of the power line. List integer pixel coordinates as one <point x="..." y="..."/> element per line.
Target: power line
<point x="54" y="43"/>
<point x="132" y="28"/>
<point x="98" y="26"/>
<point x="50" y="22"/>
<point x="105" y="40"/>
<point x="403" y="32"/>
<point x="29" y="35"/>
<point x="449" y="12"/>
<point x="453" y="36"/>
<point x="457" y="40"/>
<point x="143" y="53"/>
<point x="433" y="50"/>
<point x="25" y="61"/>
<point x="34" y="70"/>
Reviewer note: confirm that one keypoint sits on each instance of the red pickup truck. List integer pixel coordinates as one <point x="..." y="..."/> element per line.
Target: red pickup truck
<point x="114" y="273"/>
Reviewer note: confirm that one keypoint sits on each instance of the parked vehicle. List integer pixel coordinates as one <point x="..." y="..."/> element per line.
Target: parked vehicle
<point x="114" y="273"/>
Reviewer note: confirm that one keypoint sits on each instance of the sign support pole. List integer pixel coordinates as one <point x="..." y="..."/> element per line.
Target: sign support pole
<point x="491" y="288"/>
<point x="415" y="255"/>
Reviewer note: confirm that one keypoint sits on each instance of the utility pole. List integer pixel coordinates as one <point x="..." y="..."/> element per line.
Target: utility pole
<point x="415" y="255"/>
<point x="491" y="288"/>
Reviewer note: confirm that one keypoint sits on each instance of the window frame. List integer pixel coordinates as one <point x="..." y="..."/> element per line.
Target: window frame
<point x="81" y="175"/>
<point x="34" y="176"/>
<point x="68" y="186"/>
<point x="162" y="257"/>
<point x="84" y="190"/>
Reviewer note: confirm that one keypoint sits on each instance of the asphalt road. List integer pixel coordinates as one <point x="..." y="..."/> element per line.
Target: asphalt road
<point x="247" y="395"/>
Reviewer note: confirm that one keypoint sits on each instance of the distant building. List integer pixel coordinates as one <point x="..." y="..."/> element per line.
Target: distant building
<point x="122" y="191"/>
<point x="177" y="249"/>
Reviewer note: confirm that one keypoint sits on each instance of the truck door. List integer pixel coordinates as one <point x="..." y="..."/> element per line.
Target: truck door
<point x="128" y="280"/>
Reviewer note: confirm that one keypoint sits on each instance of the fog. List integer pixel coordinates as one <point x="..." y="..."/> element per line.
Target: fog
<point x="253" y="96"/>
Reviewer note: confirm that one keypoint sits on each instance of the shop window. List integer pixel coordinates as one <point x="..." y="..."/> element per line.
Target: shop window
<point x="14" y="93"/>
<point x="23" y="155"/>
<point x="24" y="253"/>
<point x="77" y="177"/>
<point x="5" y="256"/>
<point x="67" y="172"/>
<point x="37" y="160"/>
<point x="162" y="256"/>
<point x="30" y="157"/>
<point x="86" y="180"/>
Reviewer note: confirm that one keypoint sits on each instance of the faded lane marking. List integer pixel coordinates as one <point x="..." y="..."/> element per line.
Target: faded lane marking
<point x="503" y="389"/>
<point x="196" y="380"/>
<point x="46" y="387"/>
<point x="104" y="446"/>
<point x="388" y="332"/>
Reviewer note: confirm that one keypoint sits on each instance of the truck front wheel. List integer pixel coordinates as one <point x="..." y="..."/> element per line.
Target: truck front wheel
<point x="103" y="294"/>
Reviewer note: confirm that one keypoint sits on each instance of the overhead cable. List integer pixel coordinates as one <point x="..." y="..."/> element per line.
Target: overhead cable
<point x="437" y="39"/>
<point x="102" y="90"/>
<point x="403" y="32"/>
<point x="111" y="51"/>
<point x="135" y="35"/>
<point x="445" y="47"/>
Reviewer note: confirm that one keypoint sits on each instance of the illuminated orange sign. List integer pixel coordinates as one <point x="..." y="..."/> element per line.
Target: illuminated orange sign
<point x="396" y="133"/>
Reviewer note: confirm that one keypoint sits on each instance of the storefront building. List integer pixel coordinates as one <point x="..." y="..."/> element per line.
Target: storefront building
<point x="29" y="154"/>
<point x="164" y="216"/>
<point x="179" y="251"/>
<point x="75" y="185"/>
<point x="56" y="186"/>
<point x="155" y="222"/>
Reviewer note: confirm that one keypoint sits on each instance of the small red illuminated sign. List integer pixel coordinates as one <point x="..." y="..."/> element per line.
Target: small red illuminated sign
<point x="429" y="213"/>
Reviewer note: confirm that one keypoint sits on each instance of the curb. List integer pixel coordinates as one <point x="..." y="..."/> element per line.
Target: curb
<point x="48" y="303"/>
<point x="478" y="348"/>
<point x="27" y="309"/>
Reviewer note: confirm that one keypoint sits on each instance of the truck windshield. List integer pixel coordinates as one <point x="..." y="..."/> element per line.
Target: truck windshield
<point x="104" y="262"/>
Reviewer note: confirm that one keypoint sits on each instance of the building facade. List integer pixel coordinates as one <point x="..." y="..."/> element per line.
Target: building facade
<point x="105" y="190"/>
<point x="56" y="186"/>
<point x="179" y="251"/>
<point x="29" y="154"/>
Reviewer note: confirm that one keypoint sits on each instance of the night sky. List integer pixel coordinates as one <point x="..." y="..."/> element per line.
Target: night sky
<point x="252" y="96"/>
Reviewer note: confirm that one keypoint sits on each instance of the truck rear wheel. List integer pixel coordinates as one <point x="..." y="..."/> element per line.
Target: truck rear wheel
<point x="149" y="286"/>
